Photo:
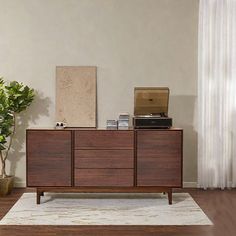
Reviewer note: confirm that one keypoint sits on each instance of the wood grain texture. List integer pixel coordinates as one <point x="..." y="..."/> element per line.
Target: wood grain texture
<point x="104" y="159"/>
<point x="138" y="159"/>
<point x="157" y="139"/>
<point x="76" y="95"/>
<point x="104" y="177"/>
<point x="48" y="158"/>
<point x="104" y="139"/>
<point x="159" y="158"/>
<point x="104" y="189"/>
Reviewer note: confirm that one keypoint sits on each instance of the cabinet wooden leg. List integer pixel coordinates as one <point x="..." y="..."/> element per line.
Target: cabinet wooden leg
<point x="170" y="196"/>
<point x="38" y="196"/>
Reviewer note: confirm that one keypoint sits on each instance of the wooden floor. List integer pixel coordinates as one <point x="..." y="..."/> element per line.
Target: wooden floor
<point x="220" y="206"/>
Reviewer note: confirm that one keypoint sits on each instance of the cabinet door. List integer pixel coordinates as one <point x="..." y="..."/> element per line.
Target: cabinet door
<point x="48" y="158"/>
<point x="159" y="158"/>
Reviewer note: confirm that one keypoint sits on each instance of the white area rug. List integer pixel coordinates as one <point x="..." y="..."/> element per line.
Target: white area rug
<point x="105" y="209"/>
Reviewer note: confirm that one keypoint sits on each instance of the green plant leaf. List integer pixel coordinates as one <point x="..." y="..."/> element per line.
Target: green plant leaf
<point x="14" y="98"/>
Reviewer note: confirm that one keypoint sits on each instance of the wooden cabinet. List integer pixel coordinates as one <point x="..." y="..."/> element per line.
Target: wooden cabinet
<point x="95" y="160"/>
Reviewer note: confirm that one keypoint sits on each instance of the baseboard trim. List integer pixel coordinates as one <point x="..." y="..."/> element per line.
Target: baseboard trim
<point x="185" y="184"/>
<point x="190" y="184"/>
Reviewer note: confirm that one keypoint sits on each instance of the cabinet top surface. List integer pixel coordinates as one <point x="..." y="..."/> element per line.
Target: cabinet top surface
<point x="97" y="129"/>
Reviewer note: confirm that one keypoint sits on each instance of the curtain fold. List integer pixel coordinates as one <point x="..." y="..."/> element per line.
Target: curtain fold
<point x="217" y="94"/>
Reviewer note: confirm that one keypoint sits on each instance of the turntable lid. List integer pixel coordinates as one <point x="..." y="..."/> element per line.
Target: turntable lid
<point x="151" y="101"/>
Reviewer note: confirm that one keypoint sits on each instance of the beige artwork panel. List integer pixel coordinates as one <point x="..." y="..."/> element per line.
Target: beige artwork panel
<point x="76" y="95"/>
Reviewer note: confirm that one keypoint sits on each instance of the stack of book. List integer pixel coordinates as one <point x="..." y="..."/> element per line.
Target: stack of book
<point x="111" y="124"/>
<point x="123" y="122"/>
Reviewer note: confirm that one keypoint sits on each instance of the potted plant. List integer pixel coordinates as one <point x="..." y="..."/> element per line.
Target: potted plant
<point x="15" y="97"/>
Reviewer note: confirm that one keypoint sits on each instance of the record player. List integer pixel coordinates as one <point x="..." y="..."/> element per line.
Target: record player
<point x="151" y="107"/>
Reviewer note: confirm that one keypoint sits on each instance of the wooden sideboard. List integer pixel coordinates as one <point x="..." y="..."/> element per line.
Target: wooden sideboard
<point x="100" y="160"/>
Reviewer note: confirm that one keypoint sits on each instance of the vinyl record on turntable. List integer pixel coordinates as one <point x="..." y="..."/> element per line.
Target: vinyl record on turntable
<point x="151" y="107"/>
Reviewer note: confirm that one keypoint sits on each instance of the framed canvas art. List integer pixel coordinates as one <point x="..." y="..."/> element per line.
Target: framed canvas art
<point x="76" y="92"/>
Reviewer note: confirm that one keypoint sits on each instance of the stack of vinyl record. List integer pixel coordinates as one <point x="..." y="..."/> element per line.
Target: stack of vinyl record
<point x="111" y="124"/>
<point x="123" y="122"/>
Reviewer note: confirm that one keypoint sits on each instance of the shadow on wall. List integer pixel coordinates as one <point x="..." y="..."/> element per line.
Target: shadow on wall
<point x="182" y="110"/>
<point x="38" y="108"/>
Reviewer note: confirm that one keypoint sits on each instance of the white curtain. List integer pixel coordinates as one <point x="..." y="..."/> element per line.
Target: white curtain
<point x="217" y="94"/>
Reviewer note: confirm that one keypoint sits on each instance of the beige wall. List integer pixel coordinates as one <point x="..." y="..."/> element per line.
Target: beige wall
<point x="132" y="42"/>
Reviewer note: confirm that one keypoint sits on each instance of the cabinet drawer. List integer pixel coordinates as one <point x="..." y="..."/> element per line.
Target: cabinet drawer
<point x="104" y="159"/>
<point x="104" y="139"/>
<point x="104" y="177"/>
